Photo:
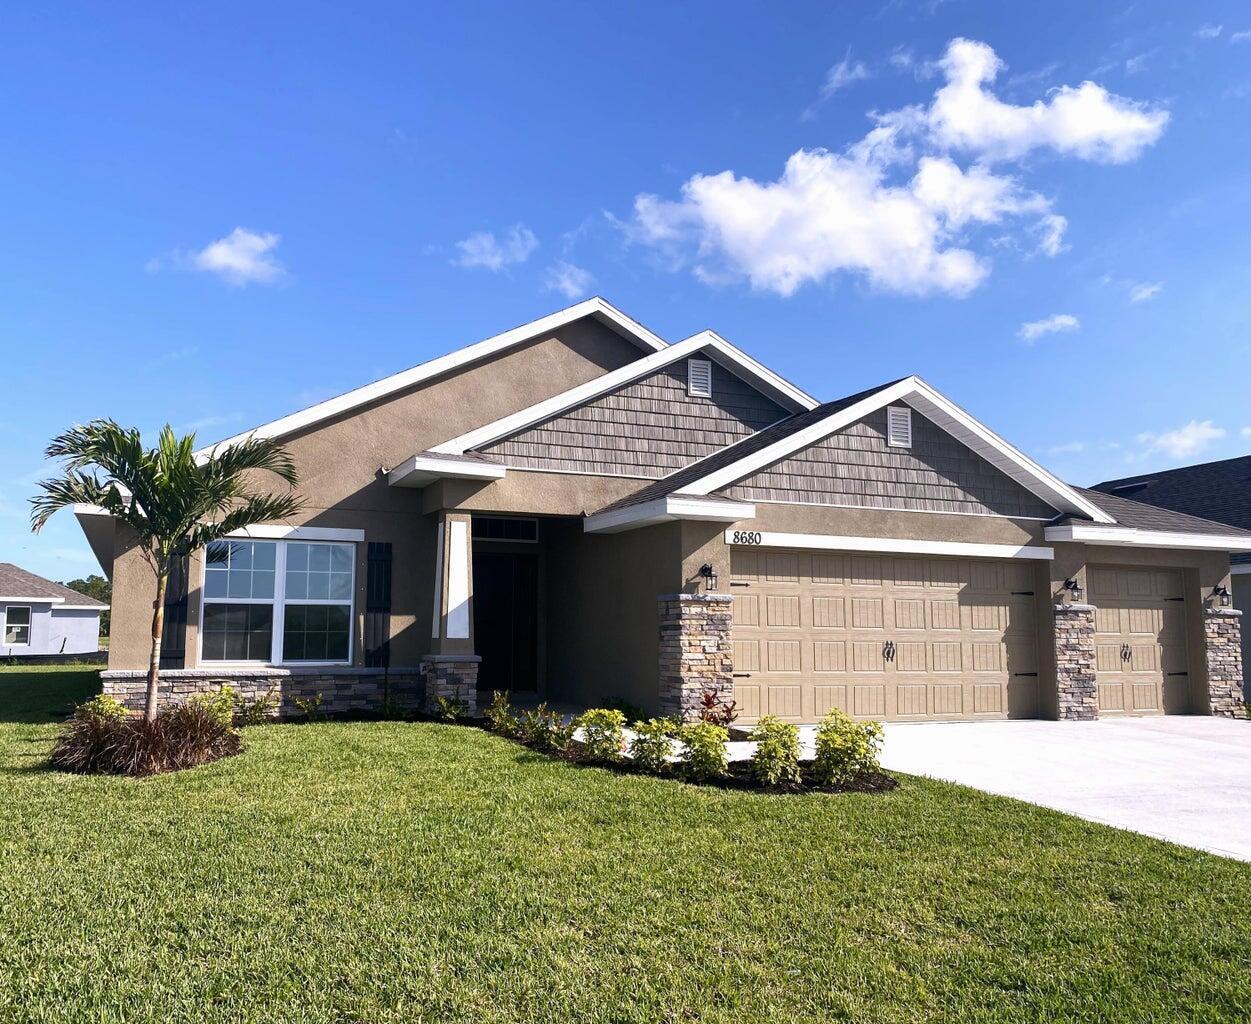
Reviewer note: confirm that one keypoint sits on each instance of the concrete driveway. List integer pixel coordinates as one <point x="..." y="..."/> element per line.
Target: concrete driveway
<point x="1184" y="779"/>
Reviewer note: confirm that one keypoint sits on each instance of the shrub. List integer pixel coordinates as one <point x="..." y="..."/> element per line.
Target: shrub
<point x="705" y="755"/>
<point x="603" y="734"/>
<point x="101" y="706"/>
<point x="218" y="703"/>
<point x="309" y="706"/>
<point x="545" y="730"/>
<point x="451" y="709"/>
<point x="776" y="760"/>
<point x="258" y="711"/>
<point x="846" y="749"/>
<point x="181" y="736"/>
<point x="500" y="715"/>
<point x="716" y="709"/>
<point x="652" y="744"/>
<point x="632" y="711"/>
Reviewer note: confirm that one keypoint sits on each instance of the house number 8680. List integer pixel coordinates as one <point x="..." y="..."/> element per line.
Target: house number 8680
<point x="745" y="537"/>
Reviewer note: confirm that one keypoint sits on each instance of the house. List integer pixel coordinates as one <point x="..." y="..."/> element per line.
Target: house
<point x="1214" y="490"/>
<point x="41" y="618"/>
<point x="579" y="509"/>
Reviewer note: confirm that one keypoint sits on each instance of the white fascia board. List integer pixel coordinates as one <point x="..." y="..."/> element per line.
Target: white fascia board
<point x="731" y="358"/>
<point x="6" y="599"/>
<point x="80" y="608"/>
<point x="667" y="509"/>
<point x="950" y="417"/>
<point x="1130" y="537"/>
<point x="418" y="471"/>
<point x="90" y="510"/>
<point x="826" y="542"/>
<point x="267" y="532"/>
<point x="596" y="306"/>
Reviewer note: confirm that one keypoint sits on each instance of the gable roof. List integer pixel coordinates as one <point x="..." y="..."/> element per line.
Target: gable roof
<point x="805" y="429"/>
<point x="601" y="309"/>
<point x="1218" y="491"/>
<point x="709" y="343"/>
<point x="16" y="584"/>
<point x="1140" y="516"/>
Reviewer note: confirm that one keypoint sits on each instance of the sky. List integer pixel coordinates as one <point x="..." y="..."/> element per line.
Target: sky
<point x="214" y="215"/>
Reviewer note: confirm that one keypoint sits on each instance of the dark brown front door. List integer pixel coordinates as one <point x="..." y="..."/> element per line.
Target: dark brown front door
<point x="505" y="610"/>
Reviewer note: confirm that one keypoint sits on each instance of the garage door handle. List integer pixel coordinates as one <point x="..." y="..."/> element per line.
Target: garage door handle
<point x="733" y="584"/>
<point x="741" y="675"/>
<point x="1179" y="673"/>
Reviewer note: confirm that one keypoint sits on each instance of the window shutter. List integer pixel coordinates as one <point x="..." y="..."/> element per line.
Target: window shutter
<point x="699" y="378"/>
<point x="378" y="605"/>
<point x="899" y="426"/>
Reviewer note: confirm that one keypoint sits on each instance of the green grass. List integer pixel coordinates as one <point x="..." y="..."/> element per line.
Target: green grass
<point x="387" y="872"/>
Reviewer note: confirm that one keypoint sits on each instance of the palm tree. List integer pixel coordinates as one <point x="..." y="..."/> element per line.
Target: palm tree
<point x="174" y="502"/>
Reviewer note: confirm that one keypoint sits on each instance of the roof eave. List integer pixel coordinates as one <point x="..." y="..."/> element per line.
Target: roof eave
<point x="1127" y="536"/>
<point x="667" y="509"/>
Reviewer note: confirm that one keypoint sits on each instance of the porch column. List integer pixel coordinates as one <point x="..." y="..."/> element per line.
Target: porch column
<point x="1077" y="699"/>
<point x="1222" y="641"/>
<point x="451" y="667"/>
<point x="695" y="651"/>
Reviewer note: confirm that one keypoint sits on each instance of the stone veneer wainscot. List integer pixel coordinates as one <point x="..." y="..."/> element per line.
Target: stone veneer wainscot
<point x="695" y="651"/>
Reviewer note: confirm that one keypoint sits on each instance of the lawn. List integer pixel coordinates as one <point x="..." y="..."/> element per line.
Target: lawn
<point x="355" y="872"/>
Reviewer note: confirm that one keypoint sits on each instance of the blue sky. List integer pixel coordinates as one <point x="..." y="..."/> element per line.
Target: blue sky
<point x="217" y="215"/>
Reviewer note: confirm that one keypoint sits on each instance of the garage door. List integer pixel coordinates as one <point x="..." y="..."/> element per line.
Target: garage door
<point x="880" y="636"/>
<point x="1140" y="641"/>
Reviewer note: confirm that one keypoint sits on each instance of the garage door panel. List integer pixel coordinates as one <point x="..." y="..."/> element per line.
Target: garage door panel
<point x="883" y="636"/>
<point x="1146" y="697"/>
<point x="1140" y="640"/>
<point x="1111" y="696"/>
<point x="1108" y="620"/>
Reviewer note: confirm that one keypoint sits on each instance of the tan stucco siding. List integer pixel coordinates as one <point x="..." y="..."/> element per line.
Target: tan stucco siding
<point x="856" y="466"/>
<point x="645" y="429"/>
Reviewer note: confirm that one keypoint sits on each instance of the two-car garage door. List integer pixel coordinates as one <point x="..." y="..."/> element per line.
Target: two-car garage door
<point x="883" y="636"/>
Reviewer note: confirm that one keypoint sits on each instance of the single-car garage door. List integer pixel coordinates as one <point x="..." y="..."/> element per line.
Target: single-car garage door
<point x="1140" y="641"/>
<point x="882" y="636"/>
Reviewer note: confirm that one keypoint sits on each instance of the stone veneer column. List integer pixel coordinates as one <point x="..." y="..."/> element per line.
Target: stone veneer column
<point x="453" y="677"/>
<point x="1222" y="638"/>
<point x="1076" y="696"/>
<point x="695" y="651"/>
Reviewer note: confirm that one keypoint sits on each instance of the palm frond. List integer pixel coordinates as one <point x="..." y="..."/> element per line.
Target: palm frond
<point x="253" y="511"/>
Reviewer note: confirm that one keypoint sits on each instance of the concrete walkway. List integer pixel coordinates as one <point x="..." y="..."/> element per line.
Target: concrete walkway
<point x="1180" y="778"/>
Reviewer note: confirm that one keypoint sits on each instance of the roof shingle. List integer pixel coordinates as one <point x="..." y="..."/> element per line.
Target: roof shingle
<point x="17" y="582"/>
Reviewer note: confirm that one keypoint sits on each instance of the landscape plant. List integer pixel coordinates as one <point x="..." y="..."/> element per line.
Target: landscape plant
<point x="170" y="501"/>
<point x="704" y="755"/>
<point x="500" y="716"/>
<point x="603" y="734"/>
<point x="847" y="749"/>
<point x="775" y="761"/>
<point x="545" y="730"/>
<point x="652" y="745"/>
<point x="717" y="709"/>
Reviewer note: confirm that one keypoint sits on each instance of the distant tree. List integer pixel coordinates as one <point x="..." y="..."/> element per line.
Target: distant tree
<point x="173" y="502"/>
<point x="101" y="589"/>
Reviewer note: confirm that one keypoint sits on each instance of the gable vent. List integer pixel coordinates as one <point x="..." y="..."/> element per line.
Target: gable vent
<point x="699" y="378"/>
<point x="899" y="426"/>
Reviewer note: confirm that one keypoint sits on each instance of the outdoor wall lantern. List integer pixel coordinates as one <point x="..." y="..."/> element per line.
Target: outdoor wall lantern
<point x="1221" y="593"/>
<point x="709" y="575"/>
<point x="1075" y="590"/>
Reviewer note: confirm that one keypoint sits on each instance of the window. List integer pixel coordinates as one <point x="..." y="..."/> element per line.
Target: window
<point x="699" y="378"/>
<point x="505" y="528"/>
<point x="17" y="626"/>
<point x="899" y="426"/>
<point x="278" y="601"/>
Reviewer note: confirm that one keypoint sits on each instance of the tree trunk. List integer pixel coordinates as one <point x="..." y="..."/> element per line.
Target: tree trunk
<point x="158" y="627"/>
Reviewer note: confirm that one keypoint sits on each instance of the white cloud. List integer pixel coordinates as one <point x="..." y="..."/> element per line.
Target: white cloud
<point x="1054" y="324"/>
<point x="1087" y="122"/>
<point x="242" y="257"/>
<point x="858" y="212"/>
<point x="841" y="75"/>
<point x="1245" y="432"/>
<point x="1240" y="37"/>
<point x="483" y="249"/>
<point x="1208" y="31"/>
<point x="1145" y="292"/>
<point x="1070" y="448"/>
<point x="572" y="282"/>
<point x="1136" y="64"/>
<point x="1185" y="441"/>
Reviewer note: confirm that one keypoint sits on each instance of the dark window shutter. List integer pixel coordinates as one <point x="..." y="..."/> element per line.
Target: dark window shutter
<point x="174" y="635"/>
<point x="378" y="605"/>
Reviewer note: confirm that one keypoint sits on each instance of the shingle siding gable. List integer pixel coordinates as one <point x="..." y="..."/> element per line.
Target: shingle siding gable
<point x="856" y="467"/>
<point x="648" y="428"/>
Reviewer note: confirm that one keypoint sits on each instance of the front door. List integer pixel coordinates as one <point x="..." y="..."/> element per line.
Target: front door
<point x="505" y="619"/>
<point x="1140" y="641"/>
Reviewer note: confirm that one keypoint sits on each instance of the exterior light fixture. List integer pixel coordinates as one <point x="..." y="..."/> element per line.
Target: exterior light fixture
<point x="709" y="575"/>
<point x="1221" y="593"/>
<point x="1075" y="590"/>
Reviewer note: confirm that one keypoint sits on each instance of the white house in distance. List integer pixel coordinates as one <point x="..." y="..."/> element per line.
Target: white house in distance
<point x="39" y="617"/>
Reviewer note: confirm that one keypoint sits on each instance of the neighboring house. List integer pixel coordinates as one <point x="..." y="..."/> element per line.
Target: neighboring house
<point x="579" y="509"/>
<point x="39" y="617"/>
<point x="1214" y="490"/>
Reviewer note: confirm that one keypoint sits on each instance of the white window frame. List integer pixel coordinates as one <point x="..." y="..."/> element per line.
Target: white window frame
<point x="279" y="604"/>
<point x="30" y="621"/>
